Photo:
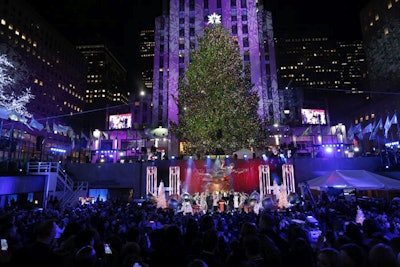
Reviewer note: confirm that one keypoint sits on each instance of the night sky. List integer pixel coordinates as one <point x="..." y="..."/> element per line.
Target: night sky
<point x="118" y="21"/>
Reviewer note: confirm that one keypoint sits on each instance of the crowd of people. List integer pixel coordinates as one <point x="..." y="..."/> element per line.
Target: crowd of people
<point x="117" y="233"/>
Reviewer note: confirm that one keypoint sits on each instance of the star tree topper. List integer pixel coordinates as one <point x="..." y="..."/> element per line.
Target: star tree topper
<point x="214" y="18"/>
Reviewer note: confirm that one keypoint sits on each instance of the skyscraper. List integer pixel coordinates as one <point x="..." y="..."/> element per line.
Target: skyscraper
<point x="106" y="85"/>
<point x="50" y="66"/>
<point x="176" y="36"/>
<point x="146" y="53"/>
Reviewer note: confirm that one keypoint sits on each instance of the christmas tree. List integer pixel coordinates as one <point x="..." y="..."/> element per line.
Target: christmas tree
<point x="283" y="201"/>
<point x="161" y="199"/>
<point x="217" y="107"/>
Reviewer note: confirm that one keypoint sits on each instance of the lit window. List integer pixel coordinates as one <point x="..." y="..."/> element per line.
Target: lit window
<point x="34" y="44"/>
<point x="10" y="27"/>
<point x="376" y="17"/>
<point x="386" y="31"/>
<point x="17" y="32"/>
<point x="3" y="22"/>
<point x="390" y="5"/>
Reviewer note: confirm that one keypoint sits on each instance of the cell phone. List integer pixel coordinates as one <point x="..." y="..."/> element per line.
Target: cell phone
<point x="4" y="244"/>
<point x="107" y="249"/>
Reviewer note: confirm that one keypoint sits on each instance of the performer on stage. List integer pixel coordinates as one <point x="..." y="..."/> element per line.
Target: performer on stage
<point x="215" y="201"/>
<point x="221" y="203"/>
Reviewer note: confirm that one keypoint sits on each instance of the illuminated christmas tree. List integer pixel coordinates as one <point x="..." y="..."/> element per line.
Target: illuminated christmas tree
<point x="12" y="101"/>
<point x="161" y="199"/>
<point x="283" y="201"/>
<point x="217" y="107"/>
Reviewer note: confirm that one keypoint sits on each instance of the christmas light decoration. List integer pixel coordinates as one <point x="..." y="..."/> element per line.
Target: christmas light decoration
<point x="11" y="101"/>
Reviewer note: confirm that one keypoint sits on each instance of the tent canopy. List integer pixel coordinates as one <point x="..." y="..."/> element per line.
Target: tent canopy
<point x="358" y="179"/>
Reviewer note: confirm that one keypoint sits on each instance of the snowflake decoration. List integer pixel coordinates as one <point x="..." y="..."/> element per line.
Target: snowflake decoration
<point x="214" y="18"/>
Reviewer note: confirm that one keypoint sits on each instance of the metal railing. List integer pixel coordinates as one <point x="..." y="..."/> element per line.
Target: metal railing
<point x="68" y="191"/>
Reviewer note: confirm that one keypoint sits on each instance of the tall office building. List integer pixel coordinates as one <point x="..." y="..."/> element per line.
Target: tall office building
<point x="176" y="36"/>
<point x="106" y="88"/>
<point x="314" y="69"/>
<point x="380" y="25"/>
<point x="50" y="66"/>
<point x="146" y="54"/>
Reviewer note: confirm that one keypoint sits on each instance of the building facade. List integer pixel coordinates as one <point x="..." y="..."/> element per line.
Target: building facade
<point x="49" y="65"/>
<point x="315" y="70"/>
<point x="106" y="86"/>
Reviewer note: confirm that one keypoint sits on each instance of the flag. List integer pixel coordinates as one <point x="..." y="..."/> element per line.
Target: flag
<point x="35" y="124"/>
<point x="376" y="129"/>
<point x="70" y="132"/>
<point x="72" y="142"/>
<point x="368" y="128"/>
<point x="84" y="140"/>
<point x="387" y="125"/>
<point x="394" y="119"/>
<point x="357" y="128"/>
<point x="84" y="136"/>
<point x="63" y="129"/>
<point x="350" y="132"/>
<point x="55" y="127"/>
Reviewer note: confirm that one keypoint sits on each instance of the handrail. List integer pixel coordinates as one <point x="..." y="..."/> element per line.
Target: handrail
<point x="70" y="189"/>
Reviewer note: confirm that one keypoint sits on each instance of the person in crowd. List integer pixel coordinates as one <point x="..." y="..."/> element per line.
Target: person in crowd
<point x="40" y="251"/>
<point x="329" y="257"/>
<point x="216" y="238"/>
<point x="382" y="255"/>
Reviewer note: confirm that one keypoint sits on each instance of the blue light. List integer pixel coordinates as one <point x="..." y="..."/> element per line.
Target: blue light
<point x="172" y="157"/>
<point x="59" y="150"/>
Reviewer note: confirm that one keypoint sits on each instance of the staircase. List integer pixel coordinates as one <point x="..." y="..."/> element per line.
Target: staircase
<point x="59" y="184"/>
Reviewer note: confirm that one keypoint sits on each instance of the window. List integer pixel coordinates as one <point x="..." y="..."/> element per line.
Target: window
<point x="246" y="42"/>
<point x="234" y="29"/>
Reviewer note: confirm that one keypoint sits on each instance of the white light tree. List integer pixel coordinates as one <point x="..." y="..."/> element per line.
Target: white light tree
<point x="12" y="100"/>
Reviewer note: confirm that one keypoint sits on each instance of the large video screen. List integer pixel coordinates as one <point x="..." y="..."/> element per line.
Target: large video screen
<point x="120" y="121"/>
<point x="313" y="116"/>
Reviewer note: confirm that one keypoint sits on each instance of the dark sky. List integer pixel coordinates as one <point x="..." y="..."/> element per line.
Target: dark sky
<point x="119" y="21"/>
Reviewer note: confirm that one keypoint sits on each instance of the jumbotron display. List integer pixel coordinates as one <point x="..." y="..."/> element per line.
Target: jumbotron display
<point x="313" y="116"/>
<point x="120" y="121"/>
